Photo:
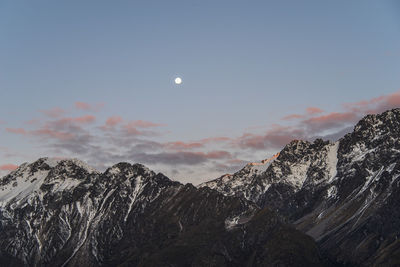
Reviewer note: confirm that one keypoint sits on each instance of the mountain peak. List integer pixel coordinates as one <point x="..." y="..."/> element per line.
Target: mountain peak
<point x="387" y="121"/>
<point x="47" y="163"/>
<point x="128" y="169"/>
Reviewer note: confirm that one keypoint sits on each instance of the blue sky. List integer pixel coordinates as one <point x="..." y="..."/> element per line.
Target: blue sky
<point x="245" y="65"/>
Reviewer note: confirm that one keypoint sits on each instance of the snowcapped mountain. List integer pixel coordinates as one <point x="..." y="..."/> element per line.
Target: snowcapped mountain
<point x="346" y="195"/>
<point x="64" y="213"/>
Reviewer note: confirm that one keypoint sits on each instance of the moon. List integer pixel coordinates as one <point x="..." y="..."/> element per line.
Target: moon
<point x="178" y="80"/>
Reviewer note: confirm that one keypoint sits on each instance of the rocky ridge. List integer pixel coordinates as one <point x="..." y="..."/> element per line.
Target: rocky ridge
<point x="64" y="213"/>
<point x="343" y="194"/>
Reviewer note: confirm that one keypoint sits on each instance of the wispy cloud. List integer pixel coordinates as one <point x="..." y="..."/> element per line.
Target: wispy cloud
<point x="308" y="112"/>
<point x="17" y="131"/>
<point x="8" y="167"/>
<point x="143" y="124"/>
<point x="54" y="112"/>
<point x="88" y="107"/>
<point x="113" y="121"/>
<point x="330" y="121"/>
<point x="181" y="157"/>
<point x="274" y="138"/>
<point x="114" y="139"/>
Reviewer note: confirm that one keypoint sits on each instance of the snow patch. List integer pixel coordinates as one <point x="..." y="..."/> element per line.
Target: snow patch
<point x="231" y="222"/>
<point x="23" y="186"/>
<point x="331" y="192"/>
<point x="139" y="185"/>
<point x="298" y="174"/>
<point x="331" y="161"/>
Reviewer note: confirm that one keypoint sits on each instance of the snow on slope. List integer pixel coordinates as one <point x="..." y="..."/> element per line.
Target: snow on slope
<point x="22" y="186"/>
<point x="233" y="184"/>
<point x="28" y="178"/>
<point x="301" y="163"/>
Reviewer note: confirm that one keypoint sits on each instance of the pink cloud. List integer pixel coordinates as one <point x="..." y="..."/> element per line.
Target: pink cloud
<point x="364" y="105"/>
<point x="313" y="110"/>
<point x="131" y="128"/>
<point x="309" y="111"/>
<point x="76" y="120"/>
<point x="214" y="139"/>
<point x="330" y="121"/>
<point x="376" y="104"/>
<point x="181" y="157"/>
<point x="293" y="116"/>
<point x="275" y="138"/>
<point x="218" y="154"/>
<point x="32" y="122"/>
<point x="8" y="167"/>
<point x="143" y="124"/>
<point x="17" y="131"/>
<point x="313" y="123"/>
<point x="179" y="145"/>
<point x="88" y="107"/>
<point x="112" y="121"/>
<point x="54" y="112"/>
<point x="46" y="132"/>
<point x="84" y="119"/>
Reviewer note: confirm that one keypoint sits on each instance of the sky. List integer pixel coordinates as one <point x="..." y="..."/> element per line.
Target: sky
<point x="94" y="80"/>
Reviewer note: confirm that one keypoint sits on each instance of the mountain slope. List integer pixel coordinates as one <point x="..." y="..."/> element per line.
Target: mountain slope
<point x="64" y="213"/>
<point x="344" y="194"/>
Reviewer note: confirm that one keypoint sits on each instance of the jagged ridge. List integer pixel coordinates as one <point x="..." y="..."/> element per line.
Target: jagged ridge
<point x="344" y="194"/>
<point x="64" y="213"/>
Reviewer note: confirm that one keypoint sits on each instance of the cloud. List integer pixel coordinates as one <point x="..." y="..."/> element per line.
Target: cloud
<point x="142" y="124"/>
<point x="179" y="145"/>
<point x="335" y="124"/>
<point x="76" y="120"/>
<point x="293" y="116"/>
<point x="309" y="127"/>
<point x="313" y="110"/>
<point x="376" y="104"/>
<point x="32" y="122"/>
<point x="274" y="138"/>
<point x="131" y="128"/>
<point x="336" y="135"/>
<point x="54" y="112"/>
<point x="8" y="167"/>
<point x="88" y="107"/>
<point x="113" y="121"/>
<point x="59" y="129"/>
<point x="180" y="158"/>
<point x="17" y="131"/>
<point x="215" y="139"/>
<point x="63" y="129"/>
<point x="330" y="121"/>
<point x="115" y="139"/>
<point x="309" y="111"/>
<point x="49" y="133"/>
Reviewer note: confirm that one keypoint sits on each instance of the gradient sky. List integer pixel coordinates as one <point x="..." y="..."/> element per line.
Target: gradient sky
<point x="94" y="79"/>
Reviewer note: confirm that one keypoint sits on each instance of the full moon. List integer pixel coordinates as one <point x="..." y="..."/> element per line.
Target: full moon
<point x="178" y="80"/>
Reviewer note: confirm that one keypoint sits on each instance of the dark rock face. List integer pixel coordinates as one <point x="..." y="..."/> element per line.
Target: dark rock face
<point x="345" y="195"/>
<point x="64" y="213"/>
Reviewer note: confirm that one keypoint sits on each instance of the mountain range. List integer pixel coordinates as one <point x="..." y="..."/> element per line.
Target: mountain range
<point x="312" y="204"/>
